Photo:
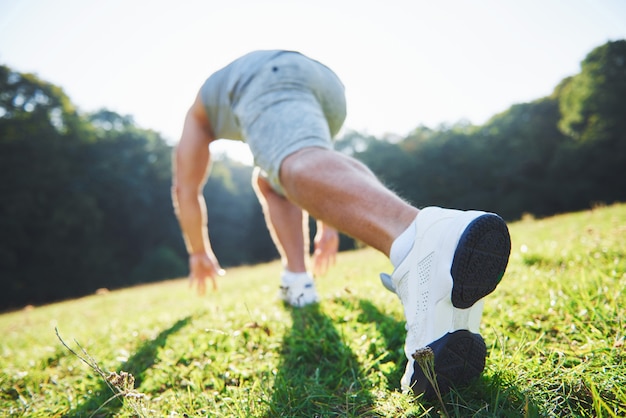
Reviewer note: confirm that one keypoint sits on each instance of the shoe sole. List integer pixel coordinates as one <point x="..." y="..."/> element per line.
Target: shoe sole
<point x="480" y="260"/>
<point x="459" y="359"/>
<point x="479" y="263"/>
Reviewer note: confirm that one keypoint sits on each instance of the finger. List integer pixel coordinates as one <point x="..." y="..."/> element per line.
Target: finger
<point x="317" y="263"/>
<point x="317" y="268"/>
<point x="219" y="272"/>
<point x="321" y="269"/>
<point x="201" y="286"/>
<point x="321" y="265"/>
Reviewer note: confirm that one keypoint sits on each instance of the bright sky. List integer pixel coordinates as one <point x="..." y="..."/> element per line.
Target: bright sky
<point x="404" y="63"/>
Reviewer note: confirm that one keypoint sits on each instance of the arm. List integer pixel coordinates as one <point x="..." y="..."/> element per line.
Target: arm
<point x="191" y="169"/>
<point x="326" y="244"/>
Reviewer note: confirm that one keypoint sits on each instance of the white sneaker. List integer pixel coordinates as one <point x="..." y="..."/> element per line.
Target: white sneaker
<point x="297" y="289"/>
<point x="458" y="258"/>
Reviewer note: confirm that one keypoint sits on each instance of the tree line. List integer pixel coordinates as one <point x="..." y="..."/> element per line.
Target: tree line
<point x="85" y="197"/>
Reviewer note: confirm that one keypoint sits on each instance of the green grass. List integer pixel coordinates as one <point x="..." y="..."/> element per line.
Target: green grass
<point x="555" y="330"/>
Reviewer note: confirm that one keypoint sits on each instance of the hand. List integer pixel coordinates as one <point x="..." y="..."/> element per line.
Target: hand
<point x="201" y="267"/>
<point x="326" y="243"/>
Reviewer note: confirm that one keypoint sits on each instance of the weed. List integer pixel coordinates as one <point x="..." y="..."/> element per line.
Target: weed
<point x="122" y="384"/>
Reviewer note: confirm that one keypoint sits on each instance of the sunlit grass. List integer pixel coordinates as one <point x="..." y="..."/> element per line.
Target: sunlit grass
<point x="555" y="331"/>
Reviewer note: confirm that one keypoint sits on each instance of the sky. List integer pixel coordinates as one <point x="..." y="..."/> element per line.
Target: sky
<point x="405" y="63"/>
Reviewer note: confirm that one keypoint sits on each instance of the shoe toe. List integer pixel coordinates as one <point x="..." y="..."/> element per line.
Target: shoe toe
<point x="299" y="293"/>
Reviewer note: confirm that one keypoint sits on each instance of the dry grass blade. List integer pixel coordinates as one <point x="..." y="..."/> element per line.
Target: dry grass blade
<point x="122" y="383"/>
<point x="426" y="360"/>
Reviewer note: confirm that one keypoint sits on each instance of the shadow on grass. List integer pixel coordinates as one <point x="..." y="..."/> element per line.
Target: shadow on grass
<point x="318" y="374"/>
<point x="137" y="365"/>
<point x="393" y="332"/>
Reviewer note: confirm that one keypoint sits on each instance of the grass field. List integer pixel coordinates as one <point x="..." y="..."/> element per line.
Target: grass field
<point x="555" y="330"/>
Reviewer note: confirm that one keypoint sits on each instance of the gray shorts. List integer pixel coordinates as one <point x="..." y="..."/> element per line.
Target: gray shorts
<point x="293" y="102"/>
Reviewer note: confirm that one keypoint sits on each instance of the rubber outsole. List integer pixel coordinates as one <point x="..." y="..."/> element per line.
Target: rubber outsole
<point x="480" y="260"/>
<point x="459" y="359"/>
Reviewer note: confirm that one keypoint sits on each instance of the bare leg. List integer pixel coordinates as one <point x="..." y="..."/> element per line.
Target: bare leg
<point x="287" y="223"/>
<point x="456" y="259"/>
<point x="345" y="194"/>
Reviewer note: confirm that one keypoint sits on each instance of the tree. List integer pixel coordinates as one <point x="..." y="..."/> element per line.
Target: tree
<point x="129" y="174"/>
<point x="592" y="102"/>
<point x="593" y="105"/>
<point x="518" y="149"/>
<point x="43" y="213"/>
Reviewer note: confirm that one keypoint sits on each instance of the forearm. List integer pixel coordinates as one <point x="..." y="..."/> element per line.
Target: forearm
<point x="192" y="217"/>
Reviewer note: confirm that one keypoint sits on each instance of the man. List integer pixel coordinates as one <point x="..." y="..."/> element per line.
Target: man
<point x="287" y="107"/>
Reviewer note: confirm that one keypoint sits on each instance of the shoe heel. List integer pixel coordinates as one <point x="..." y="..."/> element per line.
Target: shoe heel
<point x="459" y="359"/>
<point x="480" y="260"/>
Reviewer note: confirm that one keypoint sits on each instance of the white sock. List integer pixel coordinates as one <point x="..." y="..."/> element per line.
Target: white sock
<point x="288" y="277"/>
<point x="402" y="244"/>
